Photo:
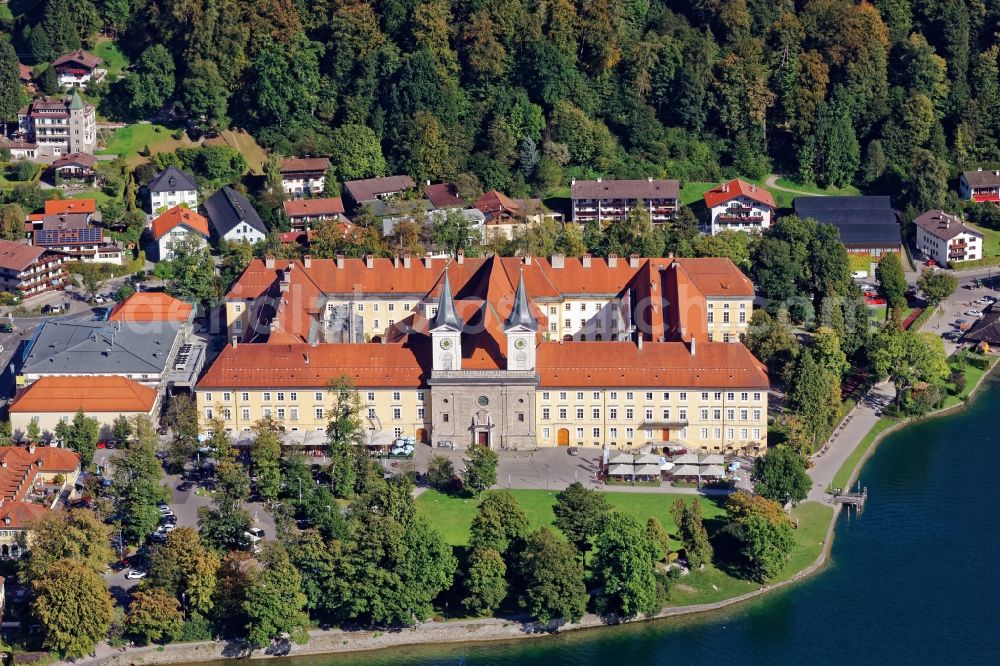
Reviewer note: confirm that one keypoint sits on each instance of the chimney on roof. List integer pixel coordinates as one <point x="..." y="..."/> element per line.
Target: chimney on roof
<point x="558" y="260"/>
<point x="31" y="448"/>
<point x="269" y="261"/>
<point x="406" y="261"/>
<point x="979" y="168"/>
<point x="235" y="342"/>
<point x="612" y="260"/>
<point x="572" y="181"/>
<point x="428" y="261"/>
<point x="305" y="358"/>
<point x="307" y="261"/>
<point x="527" y="260"/>
<point x="395" y="261"/>
<point x="670" y="256"/>
<point x="370" y="261"/>
<point x="427" y="183"/>
<point x="638" y="342"/>
<point x="725" y="187"/>
<point x="585" y="260"/>
<point x="633" y="261"/>
<point x="460" y="256"/>
<point x="691" y="346"/>
<point x="340" y="261"/>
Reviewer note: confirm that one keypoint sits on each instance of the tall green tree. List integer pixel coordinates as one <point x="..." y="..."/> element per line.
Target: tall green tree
<point x="11" y="92"/>
<point x="137" y="489"/>
<point x="485" y="581"/>
<point x="937" y="285"/>
<point x="889" y="273"/>
<point x="185" y="568"/>
<point x="81" y="436"/>
<point x="580" y="514"/>
<point x="73" y="608"/>
<point x="624" y="565"/>
<point x="151" y="83"/>
<point x="356" y="152"/>
<point x="154" y="615"/>
<point x="76" y="535"/>
<point x="780" y="475"/>
<point x="275" y="604"/>
<point x="500" y="524"/>
<point x="265" y="457"/>
<point x="480" y="469"/>
<point x="691" y="532"/>
<point x="553" y="586"/>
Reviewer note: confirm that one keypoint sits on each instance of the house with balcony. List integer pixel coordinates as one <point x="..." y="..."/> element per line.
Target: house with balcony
<point x="78" y="167"/>
<point x="304" y="214"/>
<point x="740" y="206"/>
<point x="304" y="176"/>
<point x="29" y="269"/>
<point x="233" y="218"/>
<point x="78" y="68"/>
<point x="606" y="201"/>
<point x="59" y="126"/>
<point x="179" y="227"/>
<point x="980" y="186"/>
<point x="946" y="239"/>
<point x="74" y="236"/>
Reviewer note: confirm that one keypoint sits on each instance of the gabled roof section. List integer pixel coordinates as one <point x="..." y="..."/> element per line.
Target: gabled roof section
<point x="147" y="306"/>
<point x="91" y="394"/>
<point x="602" y="188"/>
<point x="494" y="203"/>
<point x="89" y="347"/>
<point x="78" y="57"/>
<point x="304" y="165"/>
<point x="944" y="226"/>
<point x="173" y="179"/>
<point x="84" y="160"/>
<point x="180" y="216"/>
<point x="322" y="206"/>
<point x="982" y="178"/>
<point x="18" y="256"/>
<point x="63" y="206"/>
<point x="738" y="188"/>
<point x="443" y="196"/>
<point x="227" y="209"/>
<point x="371" y="189"/>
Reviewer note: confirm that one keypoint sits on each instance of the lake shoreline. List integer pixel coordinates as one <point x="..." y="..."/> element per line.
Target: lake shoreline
<point x="475" y="631"/>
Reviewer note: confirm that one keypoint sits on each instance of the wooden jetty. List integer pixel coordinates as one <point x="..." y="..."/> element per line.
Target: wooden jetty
<point x="855" y="499"/>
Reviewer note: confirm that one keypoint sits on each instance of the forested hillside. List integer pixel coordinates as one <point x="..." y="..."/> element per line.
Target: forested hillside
<point x="893" y="96"/>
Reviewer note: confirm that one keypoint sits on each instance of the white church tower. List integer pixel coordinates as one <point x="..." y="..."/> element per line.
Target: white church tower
<point x="520" y="329"/>
<point x="446" y="331"/>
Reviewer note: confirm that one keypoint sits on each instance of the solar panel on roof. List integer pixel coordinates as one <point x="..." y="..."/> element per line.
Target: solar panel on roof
<point x="68" y="236"/>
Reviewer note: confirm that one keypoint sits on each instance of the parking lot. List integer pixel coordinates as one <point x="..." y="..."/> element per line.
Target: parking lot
<point x="955" y="310"/>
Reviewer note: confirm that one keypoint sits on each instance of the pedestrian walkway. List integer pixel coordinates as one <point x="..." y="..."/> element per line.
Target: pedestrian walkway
<point x="846" y="438"/>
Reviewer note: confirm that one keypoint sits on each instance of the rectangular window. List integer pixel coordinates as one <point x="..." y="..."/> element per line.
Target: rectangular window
<point x="392" y="322"/>
<point x="318" y="396"/>
<point x="562" y="413"/>
<point x="744" y="415"/>
<point x="730" y="414"/>
<point x="579" y="395"/>
<point x="614" y="395"/>
<point x="267" y="396"/>
<point x="597" y="395"/>
<point x="553" y="310"/>
<point x="208" y="397"/>
<point x="704" y="433"/>
<point x="730" y="433"/>
<point x="613" y="413"/>
<point x="281" y="413"/>
<point x="397" y="413"/>
<point x="371" y="396"/>
<point x="715" y="396"/>
<point x="649" y="413"/>
<point x="546" y="433"/>
<point x="666" y="395"/>
<point x="392" y="307"/>
<point x="375" y="324"/>
<point x="597" y="433"/>
<point x="361" y="307"/>
<point x="281" y="396"/>
<point x="666" y="414"/>
<point x="743" y="316"/>
<point x="420" y="413"/>
<point x="562" y="395"/>
<point x="613" y="432"/>
<point x="520" y="417"/>
<point x="730" y="396"/>
<point x="420" y="396"/>
<point x="725" y="317"/>
<point x="682" y="414"/>
<point x="545" y="395"/>
<point x="716" y="414"/>
<point x="597" y="413"/>
<point x="567" y="306"/>
<point x="546" y="414"/>
<point x="293" y="396"/>
<point x="704" y="415"/>
<point x="552" y="327"/>
<point x="579" y="413"/>
<point x="371" y="412"/>
<point x="629" y="395"/>
<point x="717" y="433"/>
<point x="293" y="413"/>
<point x="445" y="417"/>
<point x="649" y="433"/>
<point x="583" y="307"/>
<point x="629" y="413"/>
<point x="684" y="396"/>
<point x="649" y="396"/>
<point x="267" y="412"/>
<point x="629" y="434"/>
<point x="756" y="433"/>
<point x="756" y="396"/>
<point x="208" y="414"/>
<point x="374" y="307"/>
<point x="744" y="396"/>
<point x="244" y="396"/>
<point x="756" y="415"/>
<point x="711" y="317"/>
<point x="579" y="434"/>
<point x="395" y="395"/>
<point x="245" y="414"/>
<point x="743" y="433"/>
<point x="319" y="413"/>
<point x="397" y="432"/>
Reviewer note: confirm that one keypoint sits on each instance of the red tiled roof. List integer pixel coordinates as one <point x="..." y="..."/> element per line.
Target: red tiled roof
<point x="92" y="394"/>
<point x="25" y="72"/>
<point x="298" y="164"/>
<point x="660" y="364"/>
<point x="715" y="276"/>
<point x="306" y="366"/>
<point x="18" y="515"/>
<point x="78" y="57"/>
<point x="179" y="216"/>
<point x="737" y="188"/>
<point x="303" y="207"/>
<point x="19" y="465"/>
<point x="18" y="256"/>
<point x="494" y="202"/>
<point x="443" y="195"/>
<point x="62" y="206"/>
<point x="146" y="306"/>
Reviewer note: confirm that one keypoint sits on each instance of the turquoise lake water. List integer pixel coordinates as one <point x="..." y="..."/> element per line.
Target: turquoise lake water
<point x="914" y="580"/>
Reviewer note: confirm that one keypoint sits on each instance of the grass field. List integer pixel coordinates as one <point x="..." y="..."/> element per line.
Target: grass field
<point x="693" y="192"/>
<point x="710" y="584"/>
<point x="114" y="60"/>
<point x="98" y="195"/>
<point x="129" y="141"/>
<point x="246" y="145"/>
<point x="452" y="516"/>
<point x="6" y="183"/>
<point x="972" y="377"/>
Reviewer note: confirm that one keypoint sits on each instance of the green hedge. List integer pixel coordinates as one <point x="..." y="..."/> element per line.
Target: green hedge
<point x="978" y="263"/>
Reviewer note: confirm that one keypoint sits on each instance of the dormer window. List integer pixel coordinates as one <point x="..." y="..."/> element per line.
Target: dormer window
<point x="172" y="181"/>
<point x="6" y="520"/>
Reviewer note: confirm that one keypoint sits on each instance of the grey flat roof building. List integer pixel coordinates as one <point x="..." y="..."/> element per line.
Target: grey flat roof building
<point x="863" y="222"/>
<point x="139" y="351"/>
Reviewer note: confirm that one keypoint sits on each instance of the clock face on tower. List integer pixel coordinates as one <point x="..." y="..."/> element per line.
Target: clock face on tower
<point x="446" y="343"/>
<point x="520" y="343"/>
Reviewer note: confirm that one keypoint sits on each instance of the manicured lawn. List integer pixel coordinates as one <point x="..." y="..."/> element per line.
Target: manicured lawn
<point x="6" y="183"/>
<point x="709" y="585"/>
<point x="246" y="145"/>
<point x="694" y="192"/>
<point x="843" y="476"/>
<point x="98" y="195"/>
<point x="130" y="140"/>
<point x="114" y="60"/>
<point x="972" y="377"/>
<point x="452" y="516"/>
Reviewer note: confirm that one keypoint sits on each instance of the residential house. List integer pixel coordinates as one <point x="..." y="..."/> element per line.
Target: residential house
<point x="303" y="214"/>
<point x="75" y="167"/>
<point x="504" y="352"/>
<point x="29" y="270"/>
<point x="51" y="400"/>
<point x="19" y="150"/>
<point x="867" y="224"/>
<point x="172" y="187"/>
<point x="443" y="196"/>
<point x="369" y="190"/>
<point x="178" y="227"/>
<point x="606" y="201"/>
<point x="739" y="206"/>
<point x="78" y="69"/>
<point x="32" y="480"/>
<point x="985" y="330"/>
<point x="59" y="126"/>
<point x="26" y="76"/>
<point x="497" y="207"/>
<point x="74" y="236"/>
<point x="945" y="239"/>
<point x="980" y="185"/>
<point x="233" y="218"/>
<point x="304" y="176"/>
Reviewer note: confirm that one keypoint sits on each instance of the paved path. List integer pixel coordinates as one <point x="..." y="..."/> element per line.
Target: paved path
<point x="772" y="182"/>
<point x="861" y="419"/>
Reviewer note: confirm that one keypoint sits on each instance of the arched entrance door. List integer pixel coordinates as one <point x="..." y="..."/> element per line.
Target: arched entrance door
<point x="422" y="436"/>
<point x="563" y="437"/>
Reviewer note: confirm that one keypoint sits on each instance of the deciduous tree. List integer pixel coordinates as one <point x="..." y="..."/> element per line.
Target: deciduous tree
<point x="73" y="608"/>
<point x="780" y="475"/>
<point x="154" y="615"/>
<point x="553" y="583"/>
<point x="480" y="468"/>
<point x="580" y="514"/>
<point x="624" y="565"/>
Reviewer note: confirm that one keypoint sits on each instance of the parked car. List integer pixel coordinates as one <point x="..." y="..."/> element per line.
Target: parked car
<point x="973" y="313"/>
<point x="859" y="275"/>
<point x="185" y="486"/>
<point x="135" y="574"/>
<point x="169" y="520"/>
